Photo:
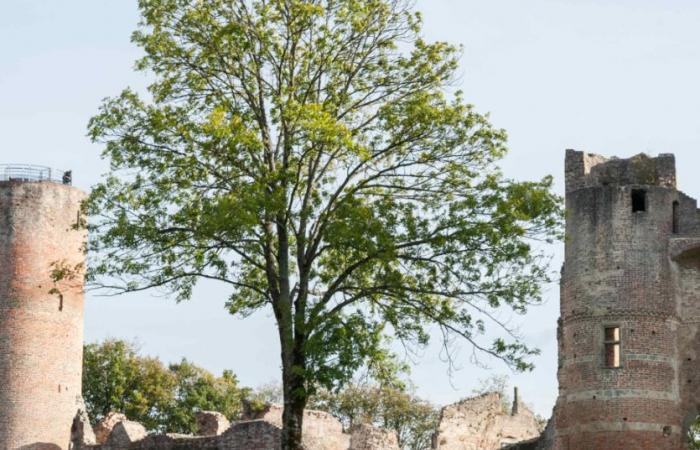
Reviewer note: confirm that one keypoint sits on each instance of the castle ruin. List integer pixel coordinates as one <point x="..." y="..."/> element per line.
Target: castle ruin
<point x="41" y="320"/>
<point x="628" y="332"/>
<point x="630" y="308"/>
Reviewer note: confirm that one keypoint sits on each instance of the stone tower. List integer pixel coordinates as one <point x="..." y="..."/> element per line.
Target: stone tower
<point x="630" y="307"/>
<point x="41" y="322"/>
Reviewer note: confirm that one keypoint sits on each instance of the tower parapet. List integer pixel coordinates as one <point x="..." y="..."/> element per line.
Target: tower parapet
<point x="585" y="170"/>
<point x="31" y="172"/>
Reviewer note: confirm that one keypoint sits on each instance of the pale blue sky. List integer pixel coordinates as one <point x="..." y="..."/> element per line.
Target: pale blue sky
<point x="608" y="76"/>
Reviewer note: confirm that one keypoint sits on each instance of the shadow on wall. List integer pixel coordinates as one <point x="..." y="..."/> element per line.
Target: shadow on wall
<point x="39" y="446"/>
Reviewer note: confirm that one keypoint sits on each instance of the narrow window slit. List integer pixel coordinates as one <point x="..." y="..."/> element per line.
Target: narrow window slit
<point x="612" y="347"/>
<point x="676" y="213"/>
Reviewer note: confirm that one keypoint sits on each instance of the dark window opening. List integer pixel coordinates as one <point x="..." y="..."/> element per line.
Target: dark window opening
<point x="639" y="200"/>
<point x="676" y="213"/>
<point x="612" y="347"/>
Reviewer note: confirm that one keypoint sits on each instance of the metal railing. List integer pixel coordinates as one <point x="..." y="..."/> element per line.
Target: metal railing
<point x="28" y="172"/>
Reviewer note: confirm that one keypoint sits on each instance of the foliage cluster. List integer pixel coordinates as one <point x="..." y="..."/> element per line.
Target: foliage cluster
<point x="117" y="378"/>
<point x="414" y="420"/>
<point x="311" y="156"/>
<point x="694" y="435"/>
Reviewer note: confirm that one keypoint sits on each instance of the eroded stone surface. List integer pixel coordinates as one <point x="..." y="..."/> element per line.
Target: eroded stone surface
<point x="211" y="423"/>
<point x="480" y="423"/>
<point x="368" y="437"/>
<point x="105" y="426"/>
<point x="125" y="433"/>
<point x="81" y="431"/>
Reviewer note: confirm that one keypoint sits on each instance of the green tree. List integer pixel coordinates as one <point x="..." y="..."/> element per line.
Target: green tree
<point x="414" y="420"/>
<point x="116" y="378"/>
<point x="198" y="390"/>
<point x="694" y="435"/>
<point x="306" y="154"/>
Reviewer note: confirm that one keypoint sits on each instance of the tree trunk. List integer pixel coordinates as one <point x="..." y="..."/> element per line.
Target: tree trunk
<point x="295" y="399"/>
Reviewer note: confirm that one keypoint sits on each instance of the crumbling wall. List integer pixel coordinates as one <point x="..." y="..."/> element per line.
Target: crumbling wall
<point x="367" y="437"/>
<point x="321" y="431"/>
<point x="480" y="423"/>
<point x="544" y="441"/>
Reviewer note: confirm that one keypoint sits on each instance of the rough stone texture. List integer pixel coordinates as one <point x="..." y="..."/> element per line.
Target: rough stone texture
<point x="211" y="423"/>
<point x="81" y="432"/>
<point x="125" y="433"/>
<point x="321" y="431"/>
<point x="480" y="423"/>
<point x="639" y="271"/>
<point x="104" y="428"/>
<point x="544" y="441"/>
<point x="41" y="334"/>
<point x="368" y="437"/>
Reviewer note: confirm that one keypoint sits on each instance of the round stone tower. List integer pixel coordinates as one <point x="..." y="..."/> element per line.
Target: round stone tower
<point x="41" y="318"/>
<point x="617" y="334"/>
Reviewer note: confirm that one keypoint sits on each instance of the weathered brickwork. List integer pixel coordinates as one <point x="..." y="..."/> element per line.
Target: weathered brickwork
<point x="480" y="423"/>
<point x="41" y="333"/>
<point x="632" y="264"/>
<point x="321" y="432"/>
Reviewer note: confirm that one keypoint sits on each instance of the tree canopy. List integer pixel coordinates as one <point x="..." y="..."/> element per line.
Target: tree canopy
<point x="312" y="156"/>
<point x="397" y="409"/>
<point x="116" y="378"/>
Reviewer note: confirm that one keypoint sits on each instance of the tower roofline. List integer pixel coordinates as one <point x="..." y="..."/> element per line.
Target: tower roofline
<point x="34" y="173"/>
<point x="584" y="170"/>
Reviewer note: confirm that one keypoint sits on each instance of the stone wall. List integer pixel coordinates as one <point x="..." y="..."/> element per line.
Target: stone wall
<point x="263" y="432"/>
<point x="321" y="431"/>
<point x="480" y="423"/>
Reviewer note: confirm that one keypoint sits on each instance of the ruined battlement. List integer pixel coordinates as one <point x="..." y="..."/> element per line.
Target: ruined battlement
<point x="628" y="333"/>
<point x="584" y="170"/>
<point x="321" y="432"/>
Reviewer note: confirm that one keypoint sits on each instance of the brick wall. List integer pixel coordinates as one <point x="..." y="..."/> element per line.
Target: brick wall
<point x="618" y="273"/>
<point x="41" y="334"/>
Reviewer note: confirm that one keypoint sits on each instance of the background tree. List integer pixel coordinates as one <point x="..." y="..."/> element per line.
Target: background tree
<point x="116" y="378"/>
<point x="694" y="435"/>
<point x="414" y="420"/>
<point x="497" y="383"/>
<point x="306" y="154"/>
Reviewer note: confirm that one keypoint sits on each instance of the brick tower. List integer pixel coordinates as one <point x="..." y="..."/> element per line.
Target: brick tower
<point x="630" y="307"/>
<point x="41" y="322"/>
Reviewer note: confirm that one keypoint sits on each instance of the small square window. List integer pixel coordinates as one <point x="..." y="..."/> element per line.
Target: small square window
<point x="612" y="347"/>
<point x="639" y="200"/>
